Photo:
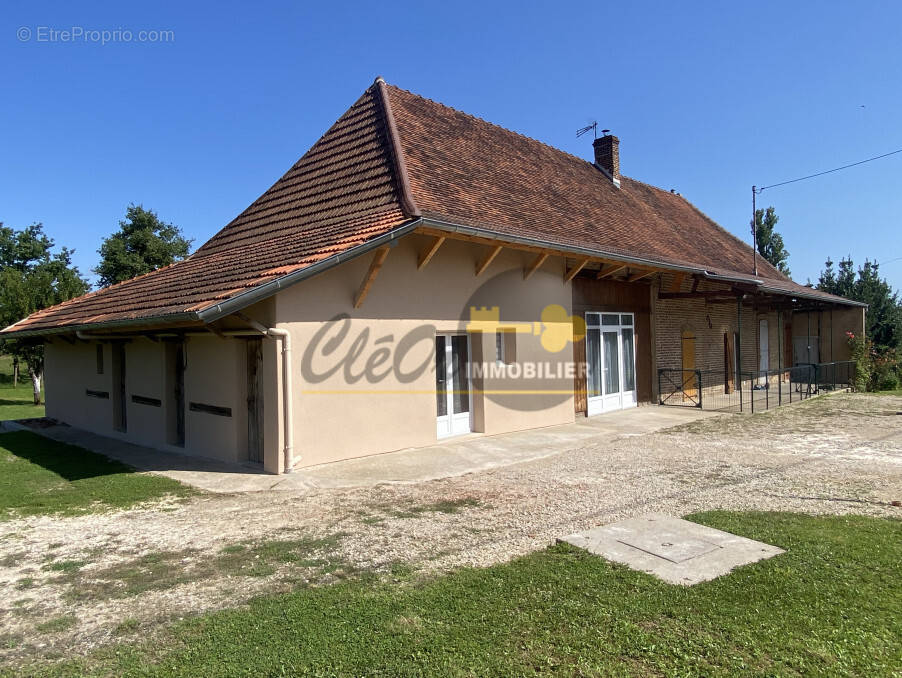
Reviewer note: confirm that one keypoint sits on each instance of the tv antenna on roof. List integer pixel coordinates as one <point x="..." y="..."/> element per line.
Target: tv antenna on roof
<point x="584" y="130"/>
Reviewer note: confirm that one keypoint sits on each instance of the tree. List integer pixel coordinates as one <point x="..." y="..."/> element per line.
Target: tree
<point x="769" y="242"/>
<point x="884" y="316"/>
<point x="142" y="244"/>
<point x="32" y="278"/>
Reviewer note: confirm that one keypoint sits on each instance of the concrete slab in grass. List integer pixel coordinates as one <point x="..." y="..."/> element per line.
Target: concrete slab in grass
<point x="672" y="549"/>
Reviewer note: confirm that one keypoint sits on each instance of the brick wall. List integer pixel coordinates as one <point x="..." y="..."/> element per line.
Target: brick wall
<point x="709" y="322"/>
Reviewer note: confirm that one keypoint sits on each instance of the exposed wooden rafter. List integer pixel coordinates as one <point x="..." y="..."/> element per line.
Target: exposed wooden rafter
<point x="704" y="294"/>
<point x="608" y="271"/>
<point x="609" y="267"/>
<point x="534" y="266"/>
<point x="638" y="275"/>
<point x="571" y="274"/>
<point x="367" y="283"/>
<point x="216" y="331"/>
<point x="483" y="263"/>
<point x="676" y="284"/>
<point x="429" y="252"/>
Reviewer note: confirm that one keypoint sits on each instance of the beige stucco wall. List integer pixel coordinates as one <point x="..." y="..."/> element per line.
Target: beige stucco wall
<point x="349" y="414"/>
<point x="144" y="376"/>
<point x="69" y="371"/>
<point x="214" y="375"/>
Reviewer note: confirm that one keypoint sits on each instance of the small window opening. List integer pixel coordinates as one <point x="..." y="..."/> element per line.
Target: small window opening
<point x="99" y="358"/>
<point x="505" y="346"/>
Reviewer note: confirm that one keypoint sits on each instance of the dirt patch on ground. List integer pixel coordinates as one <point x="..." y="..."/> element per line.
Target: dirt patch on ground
<point x="70" y="584"/>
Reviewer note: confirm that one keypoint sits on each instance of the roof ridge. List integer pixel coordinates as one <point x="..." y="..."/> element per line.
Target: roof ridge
<point x="397" y="153"/>
<point x="492" y="124"/>
<point x="571" y="156"/>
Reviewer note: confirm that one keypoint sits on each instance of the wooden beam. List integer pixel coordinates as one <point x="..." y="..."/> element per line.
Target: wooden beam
<point x="375" y="267"/>
<point x="425" y="230"/>
<point x="677" y="283"/>
<point x="483" y="263"/>
<point x="427" y="254"/>
<point x="609" y="266"/>
<point x="611" y="270"/>
<point x="638" y="275"/>
<point x="533" y="267"/>
<point x="216" y="331"/>
<point x="571" y="274"/>
<point x="705" y="294"/>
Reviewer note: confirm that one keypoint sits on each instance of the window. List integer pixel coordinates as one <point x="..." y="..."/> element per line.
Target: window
<point x="505" y="346"/>
<point x="99" y="358"/>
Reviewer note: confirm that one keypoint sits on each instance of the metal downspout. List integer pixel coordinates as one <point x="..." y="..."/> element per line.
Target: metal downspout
<point x="285" y="337"/>
<point x="288" y="430"/>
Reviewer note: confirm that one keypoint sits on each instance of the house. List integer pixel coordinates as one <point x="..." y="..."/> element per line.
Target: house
<point x="421" y="273"/>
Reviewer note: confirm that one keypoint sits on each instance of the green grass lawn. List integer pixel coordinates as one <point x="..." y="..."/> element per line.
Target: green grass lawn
<point x="16" y="403"/>
<point x="41" y="476"/>
<point x="831" y="605"/>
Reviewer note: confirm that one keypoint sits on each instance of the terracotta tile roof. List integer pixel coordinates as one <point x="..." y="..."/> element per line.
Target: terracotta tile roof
<point x="464" y="170"/>
<point x="394" y="156"/>
<point x="341" y="193"/>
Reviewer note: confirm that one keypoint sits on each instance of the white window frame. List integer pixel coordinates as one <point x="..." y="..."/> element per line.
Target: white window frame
<point x="451" y="425"/>
<point x="607" y="402"/>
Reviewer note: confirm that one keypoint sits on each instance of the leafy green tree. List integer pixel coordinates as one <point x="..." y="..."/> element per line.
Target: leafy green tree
<point x="32" y="278"/>
<point x="142" y="244"/>
<point x="769" y="242"/>
<point x="884" y="316"/>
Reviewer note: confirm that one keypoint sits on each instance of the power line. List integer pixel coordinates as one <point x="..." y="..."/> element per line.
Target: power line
<point x="756" y="190"/>
<point x="835" y="169"/>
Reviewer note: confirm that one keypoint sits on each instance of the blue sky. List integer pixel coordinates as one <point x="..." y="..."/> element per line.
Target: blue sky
<point x="707" y="98"/>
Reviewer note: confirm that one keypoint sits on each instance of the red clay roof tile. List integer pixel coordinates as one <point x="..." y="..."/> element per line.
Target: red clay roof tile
<point x="365" y="177"/>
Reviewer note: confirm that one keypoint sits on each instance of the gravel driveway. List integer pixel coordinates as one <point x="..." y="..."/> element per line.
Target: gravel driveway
<point x="69" y="584"/>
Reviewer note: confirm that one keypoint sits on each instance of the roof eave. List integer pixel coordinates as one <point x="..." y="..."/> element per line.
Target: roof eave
<point x="476" y="231"/>
<point x="241" y="301"/>
<point x="813" y="295"/>
<point x="187" y="316"/>
<point x="261" y="292"/>
<point x="451" y="227"/>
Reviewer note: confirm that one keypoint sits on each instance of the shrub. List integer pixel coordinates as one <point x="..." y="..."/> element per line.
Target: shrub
<point x="861" y="350"/>
<point x="886" y="371"/>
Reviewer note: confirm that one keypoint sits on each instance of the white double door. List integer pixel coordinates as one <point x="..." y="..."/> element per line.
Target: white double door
<point x="452" y="384"/>
<point x="611" y="361"/>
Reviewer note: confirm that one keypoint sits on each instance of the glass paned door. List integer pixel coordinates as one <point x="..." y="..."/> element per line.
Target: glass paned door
<point x="627" y="343"/>
<point x="452" y="384"/>
<point x="593" y="357"/>
<point x="611" y="361"/>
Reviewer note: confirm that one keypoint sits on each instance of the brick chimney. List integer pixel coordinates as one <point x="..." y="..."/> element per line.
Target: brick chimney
<point x="607" y="157"/>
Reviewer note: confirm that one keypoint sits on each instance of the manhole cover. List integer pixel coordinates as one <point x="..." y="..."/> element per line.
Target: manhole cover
<point x="669" y="546"/>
